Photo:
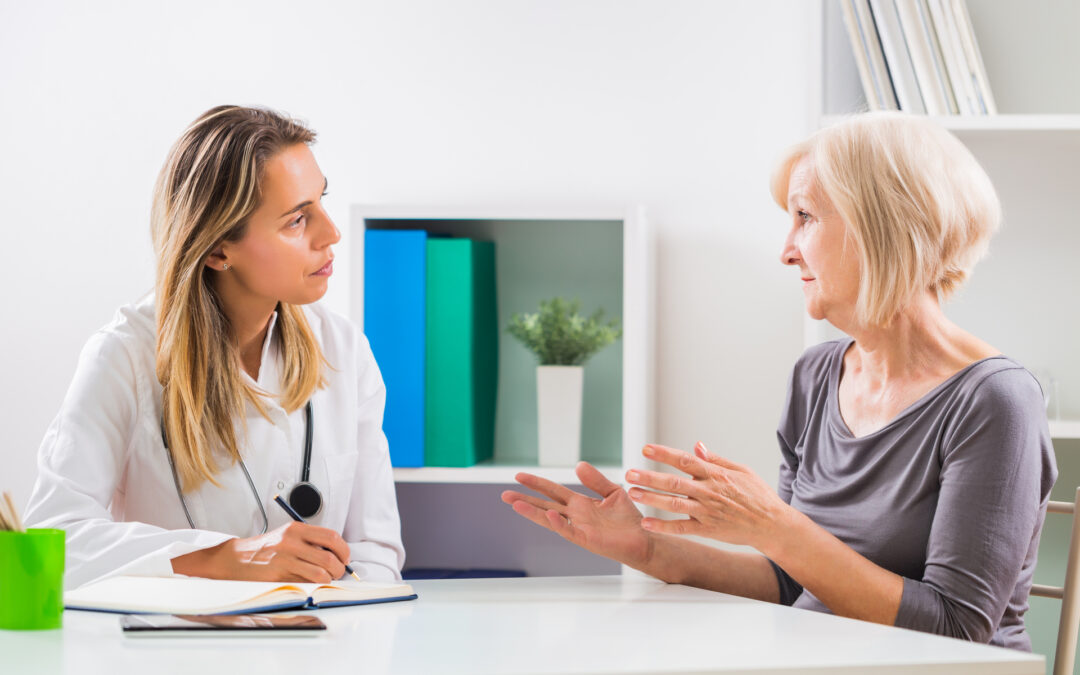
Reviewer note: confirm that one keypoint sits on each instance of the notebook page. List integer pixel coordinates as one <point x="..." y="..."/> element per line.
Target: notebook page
<point x="180" y="595"/>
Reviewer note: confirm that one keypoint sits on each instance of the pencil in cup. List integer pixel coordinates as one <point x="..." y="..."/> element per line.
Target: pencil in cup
<point x="296" y="516"/>
<point x="9" y="515"/>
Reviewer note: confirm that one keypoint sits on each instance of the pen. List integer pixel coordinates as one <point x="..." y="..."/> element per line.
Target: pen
<point x="296" y="516"/>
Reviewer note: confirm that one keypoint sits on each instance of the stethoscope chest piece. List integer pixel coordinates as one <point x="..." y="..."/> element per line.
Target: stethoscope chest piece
<point x="305" y="499"/>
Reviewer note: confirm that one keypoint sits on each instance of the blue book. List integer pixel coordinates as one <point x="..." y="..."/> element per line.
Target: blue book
<point x="395" y="279"/>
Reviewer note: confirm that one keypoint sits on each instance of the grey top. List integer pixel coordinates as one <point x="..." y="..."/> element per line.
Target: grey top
<point x="951" y="494"/>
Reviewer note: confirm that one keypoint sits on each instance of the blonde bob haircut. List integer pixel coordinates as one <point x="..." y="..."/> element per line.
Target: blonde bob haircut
<point x="916" y="203"/>
<point x="207" y="189"/>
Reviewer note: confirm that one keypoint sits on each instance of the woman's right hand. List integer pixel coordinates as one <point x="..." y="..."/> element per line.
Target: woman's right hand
<point x="293" y="552"/>
<point x="610" y="526"/>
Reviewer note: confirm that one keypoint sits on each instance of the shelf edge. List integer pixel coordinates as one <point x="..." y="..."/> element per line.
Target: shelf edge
<point x="995" y="123"/>
<point x="1064" y="429"/>
<point x="496" y="475"/>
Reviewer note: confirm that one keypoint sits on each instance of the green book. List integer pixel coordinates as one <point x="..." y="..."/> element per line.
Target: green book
<point x="461" y="353"/>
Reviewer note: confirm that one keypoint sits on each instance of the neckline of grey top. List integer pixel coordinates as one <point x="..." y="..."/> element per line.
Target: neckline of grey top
<point x="836" y="420"/>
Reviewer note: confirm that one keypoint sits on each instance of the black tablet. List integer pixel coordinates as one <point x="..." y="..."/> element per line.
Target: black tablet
<point x="221" y="625"/>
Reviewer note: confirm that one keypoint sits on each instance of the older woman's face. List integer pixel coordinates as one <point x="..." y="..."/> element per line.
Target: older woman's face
<point x="819" y="246"/>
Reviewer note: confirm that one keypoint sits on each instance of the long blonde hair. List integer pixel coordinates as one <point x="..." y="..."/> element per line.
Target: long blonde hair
<point x="207" y="189"/>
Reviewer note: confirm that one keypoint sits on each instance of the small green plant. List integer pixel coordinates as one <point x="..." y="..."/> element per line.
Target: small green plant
<point x="560" y="336"/>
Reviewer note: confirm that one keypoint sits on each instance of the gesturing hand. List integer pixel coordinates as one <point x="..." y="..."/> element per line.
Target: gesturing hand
<point x="725" y="501"/>
<point x="610" y="526"/>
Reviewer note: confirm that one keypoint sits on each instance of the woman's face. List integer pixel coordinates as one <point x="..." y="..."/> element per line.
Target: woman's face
<point x="285" y="253"/>
<point x="819" y="246"/>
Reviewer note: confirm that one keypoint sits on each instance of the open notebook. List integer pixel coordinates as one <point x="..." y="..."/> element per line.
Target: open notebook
<point x="192" y="595"/>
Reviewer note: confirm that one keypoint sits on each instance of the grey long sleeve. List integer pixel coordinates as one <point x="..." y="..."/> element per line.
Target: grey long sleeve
<point x="951" y="494"/>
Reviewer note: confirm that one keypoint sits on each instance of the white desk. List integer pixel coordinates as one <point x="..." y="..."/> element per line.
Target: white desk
<point x="537" y="625"/>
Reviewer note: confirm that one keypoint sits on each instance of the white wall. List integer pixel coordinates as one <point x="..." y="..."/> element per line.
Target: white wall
<point x="679" y="105"/>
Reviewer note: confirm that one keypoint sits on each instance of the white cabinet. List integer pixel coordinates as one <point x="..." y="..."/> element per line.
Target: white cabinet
<point x="452" y="517"/>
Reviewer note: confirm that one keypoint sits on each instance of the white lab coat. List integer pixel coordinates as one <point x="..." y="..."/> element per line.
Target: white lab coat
<point x="104" y="477"/>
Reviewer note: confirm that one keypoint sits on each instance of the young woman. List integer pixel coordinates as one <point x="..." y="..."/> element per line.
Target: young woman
<point x="196" y="406"/>
<point x="916" y="461"/>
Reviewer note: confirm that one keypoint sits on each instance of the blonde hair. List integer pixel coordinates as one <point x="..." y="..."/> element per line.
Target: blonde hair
<point x="917" y="204"/>
<point x="204" y="195"/>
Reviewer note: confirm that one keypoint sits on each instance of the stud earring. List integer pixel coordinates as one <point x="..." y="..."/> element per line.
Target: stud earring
<point x="225" y="267"/>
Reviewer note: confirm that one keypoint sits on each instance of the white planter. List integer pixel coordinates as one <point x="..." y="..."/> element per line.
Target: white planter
<point x="558" y="399"/>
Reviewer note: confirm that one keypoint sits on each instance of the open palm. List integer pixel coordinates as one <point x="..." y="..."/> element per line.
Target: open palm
<point x="609" y="526"/>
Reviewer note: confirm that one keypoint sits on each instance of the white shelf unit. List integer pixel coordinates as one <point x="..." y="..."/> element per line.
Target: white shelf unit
<point x="536" y="250"/>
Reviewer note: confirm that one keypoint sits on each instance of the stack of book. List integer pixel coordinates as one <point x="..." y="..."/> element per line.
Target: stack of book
<point x="430" y="316"/>
<point x="919" y="56"/>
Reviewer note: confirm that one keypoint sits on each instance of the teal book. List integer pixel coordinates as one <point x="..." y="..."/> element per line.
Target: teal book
<point x="461" y="352"/>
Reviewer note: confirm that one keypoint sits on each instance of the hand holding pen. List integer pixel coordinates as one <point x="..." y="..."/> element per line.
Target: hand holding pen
<point x="296" y="516"/>
<point x="296" y="551"/>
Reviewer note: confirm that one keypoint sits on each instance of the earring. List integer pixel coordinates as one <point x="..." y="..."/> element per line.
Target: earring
<point x="225" y="267"/>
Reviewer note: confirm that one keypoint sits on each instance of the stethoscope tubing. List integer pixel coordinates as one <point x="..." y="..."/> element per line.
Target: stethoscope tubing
<point x="304" y="475"/>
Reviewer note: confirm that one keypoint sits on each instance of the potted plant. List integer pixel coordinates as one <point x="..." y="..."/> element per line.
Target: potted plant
<point x="562" y="340"/>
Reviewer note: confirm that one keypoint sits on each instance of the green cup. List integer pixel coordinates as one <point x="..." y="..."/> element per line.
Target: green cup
<point x="31" y="579"/>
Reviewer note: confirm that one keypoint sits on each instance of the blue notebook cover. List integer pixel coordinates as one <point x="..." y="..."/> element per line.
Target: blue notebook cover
<point x="395" y="273"/>
<point x="261" y="609"/>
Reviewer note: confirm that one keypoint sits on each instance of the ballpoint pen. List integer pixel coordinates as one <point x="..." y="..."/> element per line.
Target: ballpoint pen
<point x="296" y="516"/>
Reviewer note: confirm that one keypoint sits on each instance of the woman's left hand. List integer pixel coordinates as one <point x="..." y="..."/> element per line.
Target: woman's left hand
<point x="724" y="500"/>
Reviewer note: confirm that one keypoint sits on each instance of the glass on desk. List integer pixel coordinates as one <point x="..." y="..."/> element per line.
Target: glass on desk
<point x="31" y="579"/>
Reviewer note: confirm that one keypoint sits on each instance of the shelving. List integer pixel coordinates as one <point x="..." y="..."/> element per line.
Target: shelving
<point x="603" y="257"/>
<point x="1064" y="429"/>
<point x="498" y="474"/>
<point x="1002" y="123"/>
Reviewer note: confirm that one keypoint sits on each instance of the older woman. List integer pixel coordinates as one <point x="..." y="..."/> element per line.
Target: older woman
<point x="916" y="460"/>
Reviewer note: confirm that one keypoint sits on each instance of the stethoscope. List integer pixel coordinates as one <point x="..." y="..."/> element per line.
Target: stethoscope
<point x="304" y="497"/>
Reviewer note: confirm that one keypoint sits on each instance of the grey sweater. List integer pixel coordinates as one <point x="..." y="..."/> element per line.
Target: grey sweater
<point x="951" y="494"/>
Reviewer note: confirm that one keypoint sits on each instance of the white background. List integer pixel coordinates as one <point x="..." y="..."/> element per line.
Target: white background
<point x="681" y="106"/>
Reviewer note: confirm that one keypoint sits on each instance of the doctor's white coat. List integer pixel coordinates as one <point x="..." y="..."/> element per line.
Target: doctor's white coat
<point x="104" y="477"/>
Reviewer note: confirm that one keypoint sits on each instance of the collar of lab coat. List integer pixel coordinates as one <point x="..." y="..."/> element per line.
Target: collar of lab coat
<point x="269" y="369"/>
<point x="270" y="366"/>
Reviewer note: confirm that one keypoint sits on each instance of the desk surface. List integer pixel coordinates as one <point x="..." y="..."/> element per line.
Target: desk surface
<point x="606" y="624"/>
